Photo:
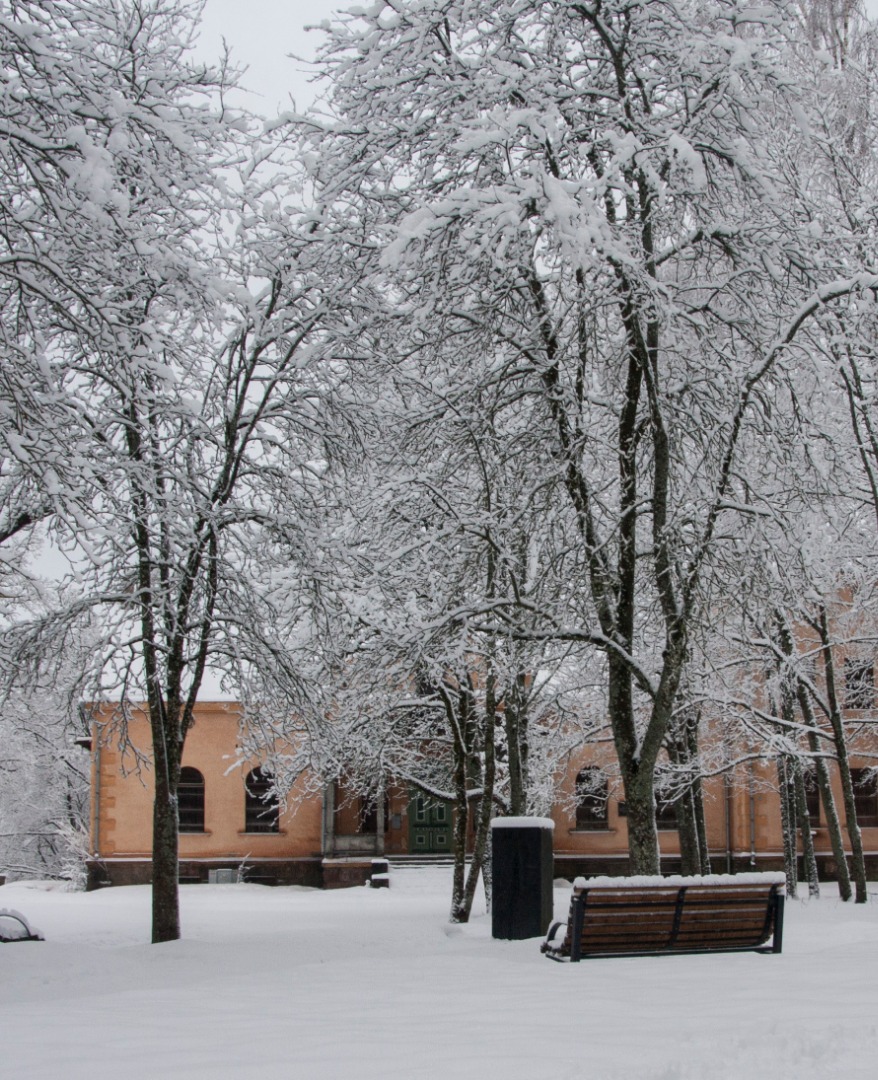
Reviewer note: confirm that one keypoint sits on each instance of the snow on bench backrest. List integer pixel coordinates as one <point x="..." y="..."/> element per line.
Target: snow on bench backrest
<point x="15" y="927"/>
<point x="677" y="881"/>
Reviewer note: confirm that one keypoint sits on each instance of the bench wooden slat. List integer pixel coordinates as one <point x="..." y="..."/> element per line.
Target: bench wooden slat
<point x="705" y="920"/>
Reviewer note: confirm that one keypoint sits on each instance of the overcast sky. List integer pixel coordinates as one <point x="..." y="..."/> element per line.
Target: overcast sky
<point x="261" y="35"/>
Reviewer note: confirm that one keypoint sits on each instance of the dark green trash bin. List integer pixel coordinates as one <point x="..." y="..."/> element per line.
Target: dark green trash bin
<point x="521" y="899"/>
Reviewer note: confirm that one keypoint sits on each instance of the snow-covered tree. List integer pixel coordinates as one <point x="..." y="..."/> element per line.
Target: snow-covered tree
<point x="592" y="199"/>
<point x="438" y="529"/>
<point x="44" y="779"/>
<point x="197" y="390"/>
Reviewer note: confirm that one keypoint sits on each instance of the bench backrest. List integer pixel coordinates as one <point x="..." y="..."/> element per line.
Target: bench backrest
<point x="688" y="918"/>
<point x="15" y="927"/>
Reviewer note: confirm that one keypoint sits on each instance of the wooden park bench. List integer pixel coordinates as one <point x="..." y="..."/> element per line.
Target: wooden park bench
<point x="653" y="915"/>
<point x="15" y="927"/>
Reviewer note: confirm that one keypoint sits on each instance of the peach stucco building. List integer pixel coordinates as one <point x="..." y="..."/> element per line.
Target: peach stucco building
<point x="221" y="836"/>
<point x="322" y="836"/>
<point x="325" y="836"/>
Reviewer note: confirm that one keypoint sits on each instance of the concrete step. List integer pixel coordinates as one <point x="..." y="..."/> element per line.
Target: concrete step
<point x="402" y="862"/>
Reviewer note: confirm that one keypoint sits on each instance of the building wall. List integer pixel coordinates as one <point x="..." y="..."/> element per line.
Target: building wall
<point x="122" y="797"/>
<point x="324" y="843"/>
<point x="742" y="818"/>
<point x="605" y="850"/>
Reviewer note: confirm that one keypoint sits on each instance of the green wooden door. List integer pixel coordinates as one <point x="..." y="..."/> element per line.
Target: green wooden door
<point x="429" y="826"/>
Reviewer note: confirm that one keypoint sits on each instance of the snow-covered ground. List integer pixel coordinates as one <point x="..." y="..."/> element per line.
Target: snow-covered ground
<point x="361" y="984"/>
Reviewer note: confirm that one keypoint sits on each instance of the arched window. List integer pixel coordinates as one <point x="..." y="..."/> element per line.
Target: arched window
<point x="190" y="800"/>
<point x="367" y="816"/>
<point x="591" y="799"/>
<point x="812" y="796"/>
<point x="261" y="808"/>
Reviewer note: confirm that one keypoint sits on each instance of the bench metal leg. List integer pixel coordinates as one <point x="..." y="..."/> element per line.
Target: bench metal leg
<point x="777" y="939"/>
<point x="578" y="913"/>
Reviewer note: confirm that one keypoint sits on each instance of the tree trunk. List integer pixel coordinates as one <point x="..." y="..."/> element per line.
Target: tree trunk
<point x="858" y="859"/>
<point x="826" y="797"/>
<point x="477" y="862"/>
<point x="461" y="803"/>
<point x="701" y="826"/>
<point x="461" y="822"/>
<point x="698" y="798"/>
<point x="786" y="791"/>
<point x="805" y="831"/>
<point x="822" y="773"/>
<point x="690" y="850"/>
<point x="165" y="838"/>
<point x="643" y="849"/>
<point x="515" y="722"/>
<point x="486" y="802"/>
<point x="797" y="795"/>
<point x="680" y="751"/>
<point x="638" y="777"/>
<point x="488" y="871"/>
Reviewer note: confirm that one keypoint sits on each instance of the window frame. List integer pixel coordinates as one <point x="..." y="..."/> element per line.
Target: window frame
<point x="261" y="814"/>
<point x="666" y="817"/>
<point x="367" y="814"/>
<point x="812" y="795"/>
<point x="865" y="785"/>
<point x="859" y="684"/>
<point x="190" y="801"/>
<point x="592" y="812"/>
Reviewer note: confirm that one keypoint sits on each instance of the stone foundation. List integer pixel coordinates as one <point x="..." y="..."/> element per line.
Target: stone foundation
<point x="194" y="872"/>
<point x="346" y="873"/>
<point x="570" y="866"/>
